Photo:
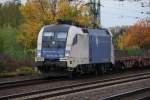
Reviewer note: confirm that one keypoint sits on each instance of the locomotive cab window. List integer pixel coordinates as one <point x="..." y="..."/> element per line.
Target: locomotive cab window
<point x="49" y="34"/>
<point x="61" y="35"/>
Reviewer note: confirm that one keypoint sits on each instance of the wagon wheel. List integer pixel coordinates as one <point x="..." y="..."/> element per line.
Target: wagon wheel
<point x="119" y="66"/>
<point x="122" y="66"/>
<point x="136" y="64"/>
<point x="141" y="64"/>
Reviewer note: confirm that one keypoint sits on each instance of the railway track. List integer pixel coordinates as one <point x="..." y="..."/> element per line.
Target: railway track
<point x="74" y="88"/>
<point x="26" y="82"/>
<point x="139" y="94"/>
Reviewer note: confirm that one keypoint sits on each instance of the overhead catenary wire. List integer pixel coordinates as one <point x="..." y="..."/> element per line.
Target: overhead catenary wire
<point x="129" y="10"/>
<point x="123" y="16"/>
<point x="145" y="9"/>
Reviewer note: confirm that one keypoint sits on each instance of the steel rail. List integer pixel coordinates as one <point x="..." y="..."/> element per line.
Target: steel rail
<point x="129" y="93"/>
<point x="17" y="83"/>
<point x="64" y="90"/>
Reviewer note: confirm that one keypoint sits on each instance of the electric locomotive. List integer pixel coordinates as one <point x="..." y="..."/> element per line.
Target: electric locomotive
<point x="63" y="48"/>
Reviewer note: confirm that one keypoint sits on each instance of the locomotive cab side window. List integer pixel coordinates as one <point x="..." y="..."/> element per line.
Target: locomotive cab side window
<point x="75" y="40"/>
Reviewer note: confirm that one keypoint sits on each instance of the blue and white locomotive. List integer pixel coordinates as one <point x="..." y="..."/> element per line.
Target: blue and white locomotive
<point x="63" y="48"/>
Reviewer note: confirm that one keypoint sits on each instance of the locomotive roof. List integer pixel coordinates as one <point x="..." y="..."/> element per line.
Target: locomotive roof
<point x="56" y="28"/>
<point x="97" y="32"/>
<point x="65" y="28"/>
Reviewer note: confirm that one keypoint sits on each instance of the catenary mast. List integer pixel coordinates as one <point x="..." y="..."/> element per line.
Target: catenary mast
<point x="95" y="10"/>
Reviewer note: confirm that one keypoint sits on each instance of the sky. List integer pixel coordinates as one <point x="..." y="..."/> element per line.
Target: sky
<point x="115" y="13"/>
<point x="23" y="1"/>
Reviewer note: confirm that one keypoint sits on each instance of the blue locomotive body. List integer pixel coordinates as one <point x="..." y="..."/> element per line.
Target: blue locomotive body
<point x="68" y="48"/>
<point x="100" y="46"/>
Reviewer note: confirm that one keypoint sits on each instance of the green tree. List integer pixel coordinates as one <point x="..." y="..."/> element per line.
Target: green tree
<point x="10" y="14"/>
<point x="1" y="44"/>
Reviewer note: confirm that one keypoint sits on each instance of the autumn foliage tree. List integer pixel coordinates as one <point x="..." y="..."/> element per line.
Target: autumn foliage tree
<point x="137" y="35"/>
<point x="34" y="17"/>
<point x="43" y="12"/>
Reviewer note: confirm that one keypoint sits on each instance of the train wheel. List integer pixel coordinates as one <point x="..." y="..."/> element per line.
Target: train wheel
<point x="136" y="64"/>
<point x="96" y="70"/>
<point x="103" y="68"/>
<point x="111" y="66"/>
<point x="40" y="69"/>
<point x="71" y="75"/>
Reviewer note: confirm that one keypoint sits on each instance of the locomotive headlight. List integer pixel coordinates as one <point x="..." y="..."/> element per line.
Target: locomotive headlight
<point x="38" y="53"/>
<point x="39" y="58"/>
<point x="67" y="52"/>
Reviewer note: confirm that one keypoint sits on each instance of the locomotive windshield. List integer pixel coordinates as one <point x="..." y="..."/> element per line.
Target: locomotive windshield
<point x="54" y="40"/>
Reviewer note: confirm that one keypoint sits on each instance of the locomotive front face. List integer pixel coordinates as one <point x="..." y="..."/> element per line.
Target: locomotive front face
<point x="51" y="46"/>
